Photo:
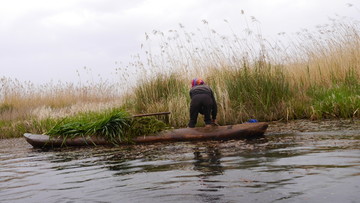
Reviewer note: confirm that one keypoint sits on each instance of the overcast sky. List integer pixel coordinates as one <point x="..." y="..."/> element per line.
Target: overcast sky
<point x="43" y="40"/>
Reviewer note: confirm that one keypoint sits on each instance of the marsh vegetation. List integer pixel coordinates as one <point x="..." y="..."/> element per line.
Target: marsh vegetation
<point x="311" y="75"/>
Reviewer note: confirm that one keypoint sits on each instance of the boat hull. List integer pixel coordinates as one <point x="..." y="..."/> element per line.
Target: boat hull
<point x="239" y="131"/>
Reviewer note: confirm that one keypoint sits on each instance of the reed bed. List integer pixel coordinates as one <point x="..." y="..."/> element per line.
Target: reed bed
<point x="314" y="75"/>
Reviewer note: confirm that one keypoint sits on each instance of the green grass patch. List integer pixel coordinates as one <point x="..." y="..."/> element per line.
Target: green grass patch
<point x="158" y="90"/>
<point x="261" y="91"/>
<point x="339" y="101"/>
<point x="115" y="125"/>
<point x="5" y="108"/>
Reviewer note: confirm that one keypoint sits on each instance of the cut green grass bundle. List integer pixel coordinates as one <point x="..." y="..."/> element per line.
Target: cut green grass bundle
<point x="142" y="126"/>
<point x="114" y="125"/>
<point x="111" y="124"/>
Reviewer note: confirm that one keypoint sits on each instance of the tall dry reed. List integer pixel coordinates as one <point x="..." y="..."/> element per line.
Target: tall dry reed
<point x="255" y="78"/>
<point x="313" y="75"/>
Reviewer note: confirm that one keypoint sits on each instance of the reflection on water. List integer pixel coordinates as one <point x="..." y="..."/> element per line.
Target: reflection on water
<point x="306" y="167"/>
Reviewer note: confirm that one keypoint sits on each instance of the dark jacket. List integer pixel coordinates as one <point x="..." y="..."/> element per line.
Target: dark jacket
<point x="204" y="89"/>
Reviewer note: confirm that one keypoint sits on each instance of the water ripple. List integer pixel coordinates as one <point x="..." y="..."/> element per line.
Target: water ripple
<point x="295" y="167"/>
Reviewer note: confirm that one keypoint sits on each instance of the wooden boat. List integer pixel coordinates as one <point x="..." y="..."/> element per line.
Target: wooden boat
<point x="238" y="131"/>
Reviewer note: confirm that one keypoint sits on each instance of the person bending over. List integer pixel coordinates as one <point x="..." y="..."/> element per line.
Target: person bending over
<point x="203" y="102"/>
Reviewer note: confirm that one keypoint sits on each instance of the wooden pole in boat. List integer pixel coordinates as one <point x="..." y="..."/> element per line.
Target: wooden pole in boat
<point x="152" y="114"/>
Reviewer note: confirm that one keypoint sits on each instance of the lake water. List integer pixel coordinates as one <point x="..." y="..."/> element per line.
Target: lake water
<point x="321" y="166"/>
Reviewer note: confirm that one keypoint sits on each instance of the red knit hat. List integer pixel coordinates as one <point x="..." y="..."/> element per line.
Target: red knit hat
<point x="197" y="81"/>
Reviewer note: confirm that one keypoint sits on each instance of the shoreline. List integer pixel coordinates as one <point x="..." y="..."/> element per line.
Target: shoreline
<point x="306" y="125"/>
<point x="301" y="125"/>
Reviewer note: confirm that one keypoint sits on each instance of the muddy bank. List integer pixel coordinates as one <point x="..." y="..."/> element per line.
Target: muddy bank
<point x="304" y="125"/>
<point x="295" y="126"/>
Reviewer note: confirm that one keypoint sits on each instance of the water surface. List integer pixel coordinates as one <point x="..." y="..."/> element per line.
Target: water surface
<point x="292" y="167"/>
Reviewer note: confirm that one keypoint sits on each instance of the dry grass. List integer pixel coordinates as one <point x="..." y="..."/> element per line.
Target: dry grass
<point x="253" y="77"/>
<point x="315" y="75"/>
<point x="21" y="100"/>
<point x="330" y="54"/>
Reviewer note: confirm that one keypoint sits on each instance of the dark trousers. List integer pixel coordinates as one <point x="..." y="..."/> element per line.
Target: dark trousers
<point x="200" y="103"/>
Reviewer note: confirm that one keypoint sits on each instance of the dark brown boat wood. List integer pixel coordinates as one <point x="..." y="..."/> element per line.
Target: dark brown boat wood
<point x="239" y="131"/>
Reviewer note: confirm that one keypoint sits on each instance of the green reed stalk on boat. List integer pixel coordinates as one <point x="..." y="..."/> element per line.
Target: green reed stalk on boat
<point x="114" y="125"/>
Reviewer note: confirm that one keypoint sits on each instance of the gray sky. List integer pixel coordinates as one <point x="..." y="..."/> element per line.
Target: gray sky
<point x="43" y="40"/>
